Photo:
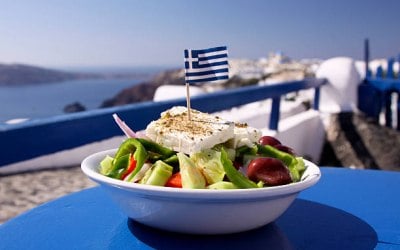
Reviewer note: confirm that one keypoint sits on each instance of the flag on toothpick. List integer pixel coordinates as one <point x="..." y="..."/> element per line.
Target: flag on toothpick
<point x="205" y="65"/>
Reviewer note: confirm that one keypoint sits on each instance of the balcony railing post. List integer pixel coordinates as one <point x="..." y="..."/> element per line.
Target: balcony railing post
<point x="390" y="70"/>
<point x="398" y="111"/>
<point x="366" y="58"/>
<point x="388" y="108"/>
<point x="316" y="98"/>
<point x="274" y="117"/>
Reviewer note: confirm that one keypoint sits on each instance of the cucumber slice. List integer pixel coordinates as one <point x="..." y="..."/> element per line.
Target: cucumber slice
<point x="160" y="174"/>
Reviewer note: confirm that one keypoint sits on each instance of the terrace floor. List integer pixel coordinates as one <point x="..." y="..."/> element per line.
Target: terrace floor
<point x="356" y="141"/>
<point x="21" y="192"/>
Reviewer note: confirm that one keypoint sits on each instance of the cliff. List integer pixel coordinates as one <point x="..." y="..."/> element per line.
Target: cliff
<point x="145" y="90"/>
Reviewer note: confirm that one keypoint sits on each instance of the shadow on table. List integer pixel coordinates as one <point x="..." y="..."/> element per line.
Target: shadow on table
<point x="305" y="225"/>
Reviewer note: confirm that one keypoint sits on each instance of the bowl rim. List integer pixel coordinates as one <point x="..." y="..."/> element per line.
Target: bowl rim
<point x="90" y="167"/>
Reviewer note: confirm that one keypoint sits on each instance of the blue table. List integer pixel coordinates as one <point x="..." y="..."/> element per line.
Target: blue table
<point x="347" y="209"/>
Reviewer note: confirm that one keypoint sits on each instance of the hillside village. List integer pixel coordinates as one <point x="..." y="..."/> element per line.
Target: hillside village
<point x="274" y="68"/>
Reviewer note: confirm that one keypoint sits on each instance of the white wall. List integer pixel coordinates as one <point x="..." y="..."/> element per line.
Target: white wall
<point x="340" y="94"/>
<point x="168" y="92"/>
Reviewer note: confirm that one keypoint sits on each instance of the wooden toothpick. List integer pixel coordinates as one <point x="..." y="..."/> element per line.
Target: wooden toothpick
<point x="188" y="102"/>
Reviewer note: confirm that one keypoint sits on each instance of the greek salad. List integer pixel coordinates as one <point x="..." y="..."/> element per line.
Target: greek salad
<point x="226" y="165"/>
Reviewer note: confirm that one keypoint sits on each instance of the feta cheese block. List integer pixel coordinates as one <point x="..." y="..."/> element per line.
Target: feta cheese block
<point x="174" y="130"/>
<point x="244" y="135"/>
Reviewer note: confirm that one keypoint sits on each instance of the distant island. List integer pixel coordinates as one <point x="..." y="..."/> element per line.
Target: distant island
<point x="22" y="74"/>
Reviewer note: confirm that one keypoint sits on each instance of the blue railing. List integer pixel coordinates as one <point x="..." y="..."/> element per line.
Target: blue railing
<point x="375" y="94"/>
<point x="39" y="137"/>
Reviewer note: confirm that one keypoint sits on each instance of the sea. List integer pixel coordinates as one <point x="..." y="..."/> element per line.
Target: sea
<point x="46" y="100"/>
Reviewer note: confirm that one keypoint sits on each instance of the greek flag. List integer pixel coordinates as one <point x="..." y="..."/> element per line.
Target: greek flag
<point x="206" y="65"/>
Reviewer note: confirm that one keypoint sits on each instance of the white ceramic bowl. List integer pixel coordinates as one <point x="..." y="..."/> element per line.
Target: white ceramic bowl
<point x="199" y="211"/>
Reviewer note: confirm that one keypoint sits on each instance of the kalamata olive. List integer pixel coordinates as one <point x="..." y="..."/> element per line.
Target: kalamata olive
<point x="269" y="170"/>
<point x="285" y="149"/>
<point x="269" y="140"/>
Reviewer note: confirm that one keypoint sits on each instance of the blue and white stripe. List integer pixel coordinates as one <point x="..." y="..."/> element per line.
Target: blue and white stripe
<point x="206" y="65"/>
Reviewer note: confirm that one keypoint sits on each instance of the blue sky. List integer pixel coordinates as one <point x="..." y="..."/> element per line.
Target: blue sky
<point x="142" y="33"/>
